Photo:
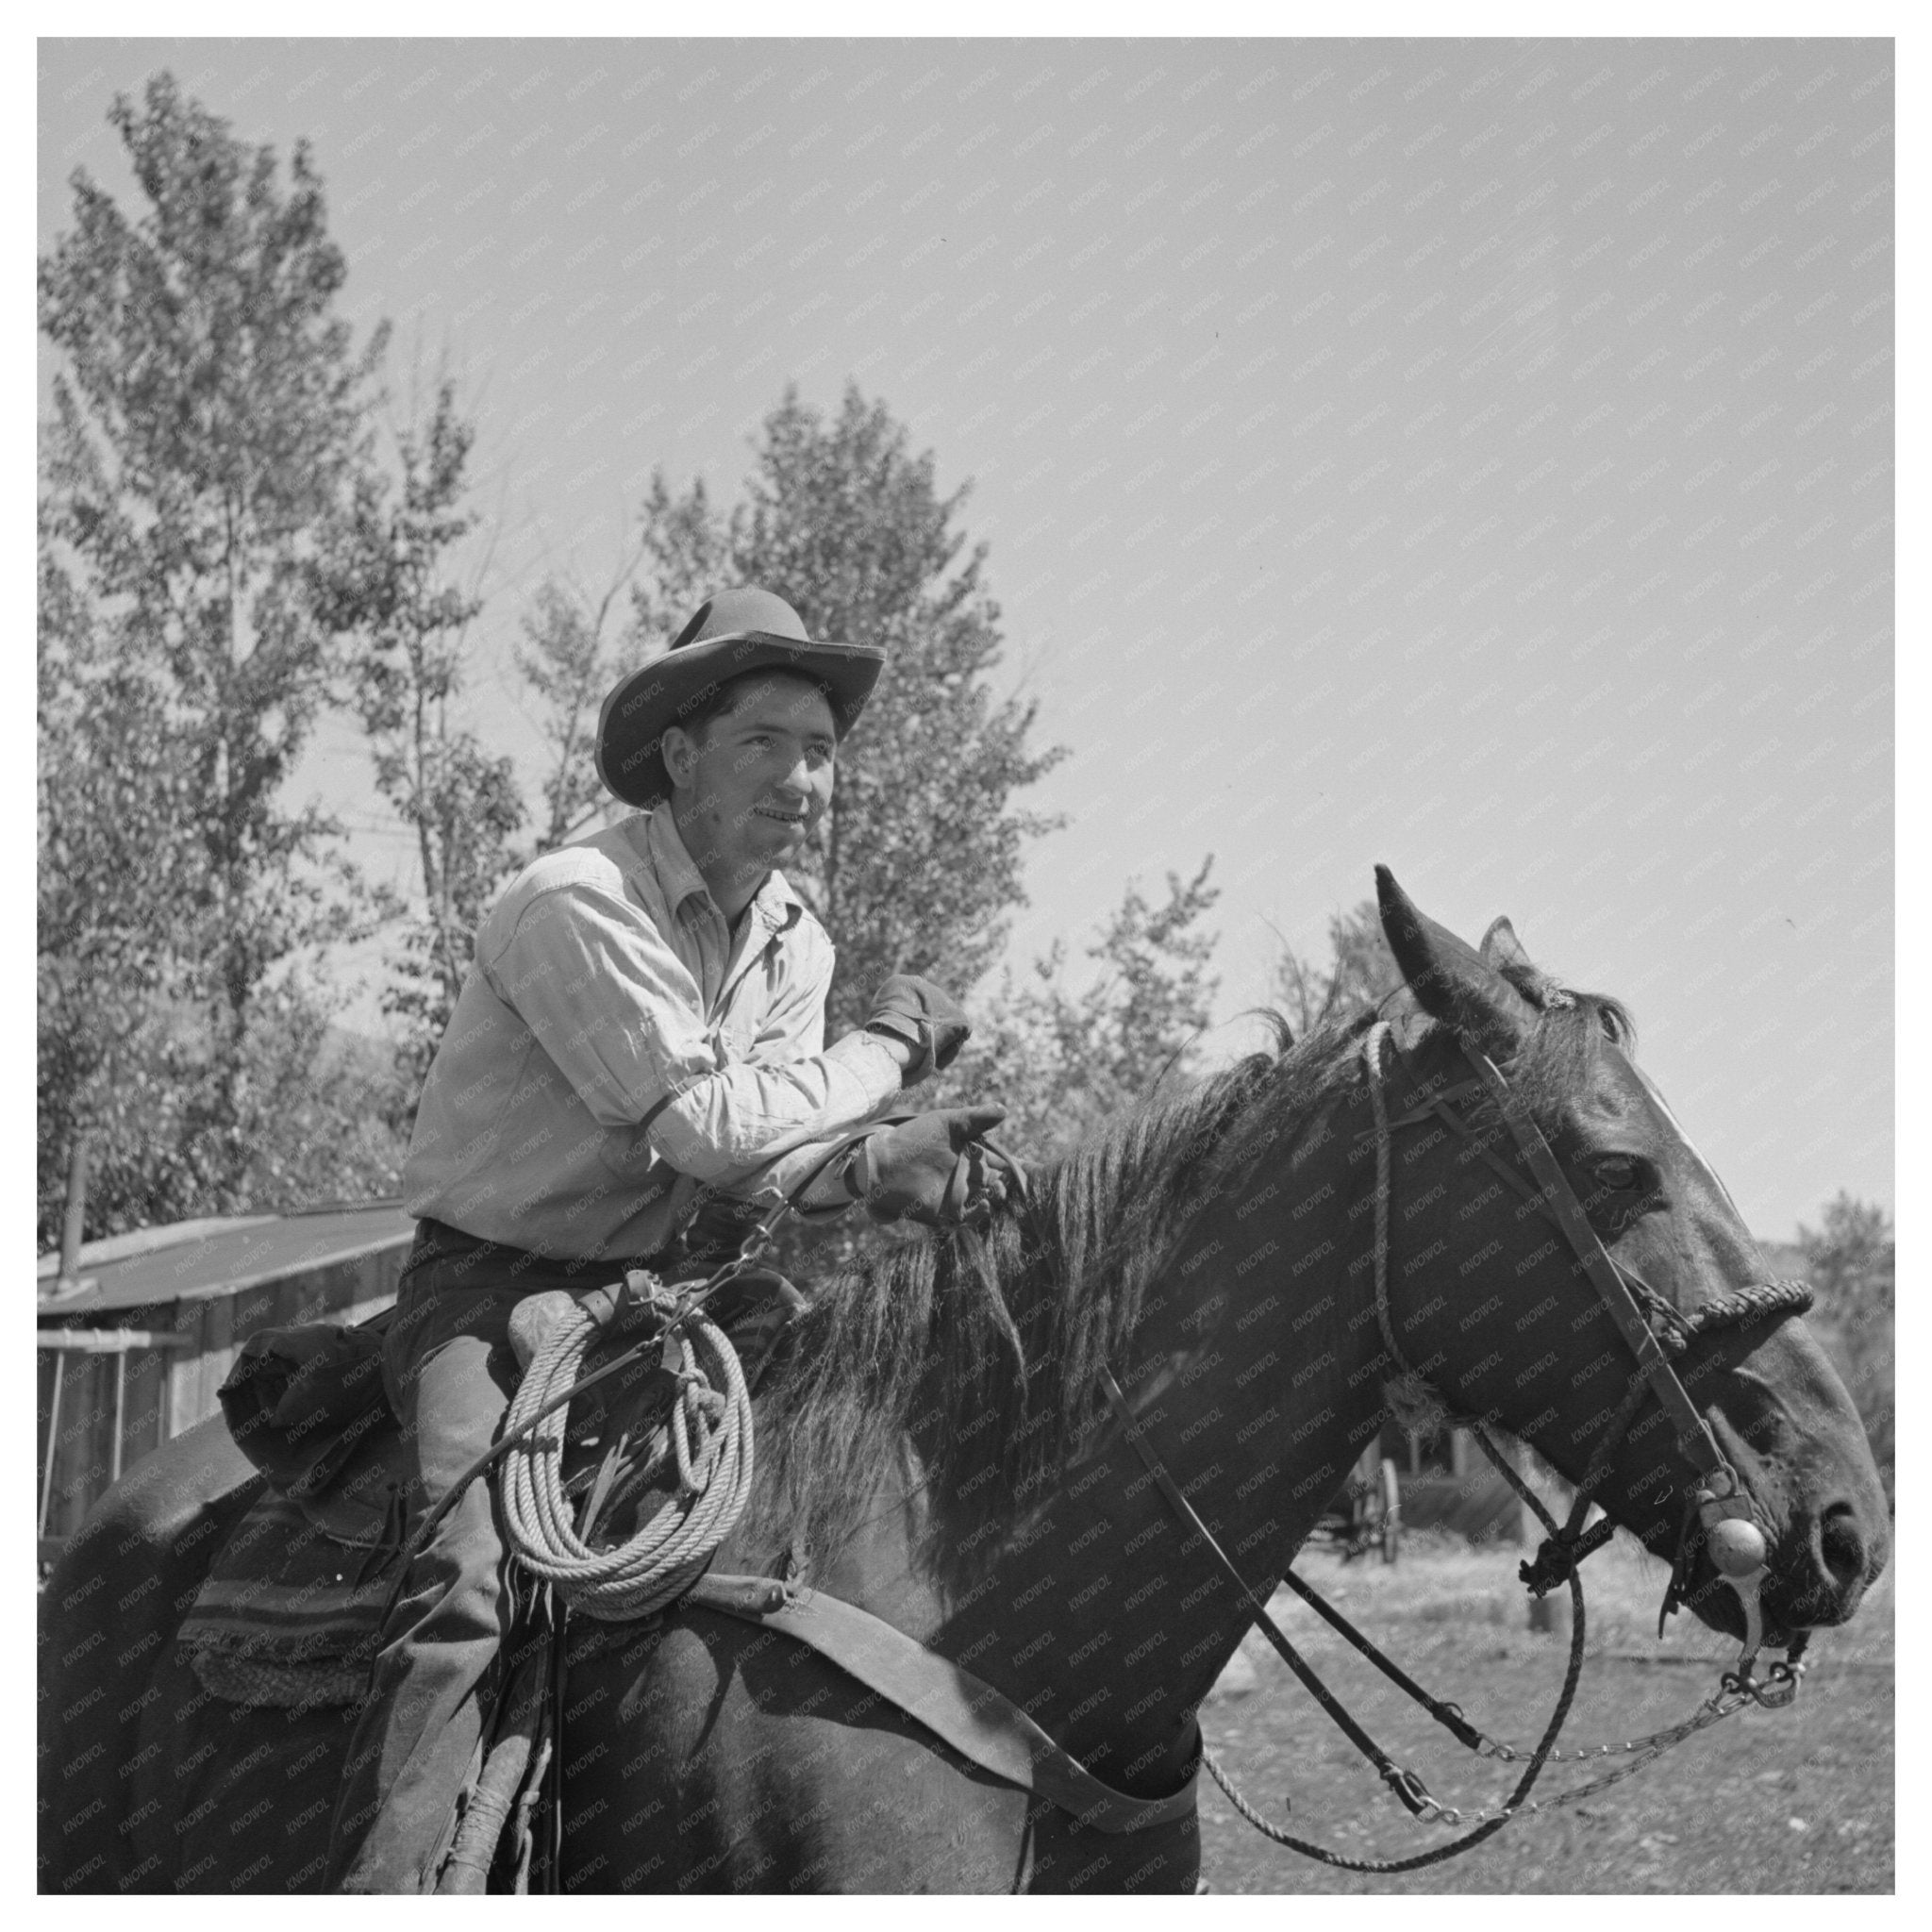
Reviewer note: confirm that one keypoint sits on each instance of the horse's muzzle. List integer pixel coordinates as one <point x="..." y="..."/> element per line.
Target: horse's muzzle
<point x="1843" y="1553"/>
<point x="1823" y="1566"/>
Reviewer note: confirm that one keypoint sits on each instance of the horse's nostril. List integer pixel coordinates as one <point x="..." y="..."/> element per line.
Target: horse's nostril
<point x="1840" y="1545"/>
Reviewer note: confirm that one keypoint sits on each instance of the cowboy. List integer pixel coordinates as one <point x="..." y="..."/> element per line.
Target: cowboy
<point x="636" y="1061"/>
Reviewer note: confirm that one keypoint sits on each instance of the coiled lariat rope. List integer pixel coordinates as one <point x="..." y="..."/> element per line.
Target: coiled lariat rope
<point x="710" y="1431"/>
<point x="710" y="1434"/>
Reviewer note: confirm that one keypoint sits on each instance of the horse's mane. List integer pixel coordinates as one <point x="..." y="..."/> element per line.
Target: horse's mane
<point x="971" y="1360"/>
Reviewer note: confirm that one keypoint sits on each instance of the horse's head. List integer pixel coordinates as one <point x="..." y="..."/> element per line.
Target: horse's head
<point x="1526" y="1339"/>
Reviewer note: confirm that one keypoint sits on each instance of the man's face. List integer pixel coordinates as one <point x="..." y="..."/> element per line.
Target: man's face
<point x="753" y="781"/>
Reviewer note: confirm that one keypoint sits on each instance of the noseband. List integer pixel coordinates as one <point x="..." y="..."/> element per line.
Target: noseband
<point x="1717" y="1511"/>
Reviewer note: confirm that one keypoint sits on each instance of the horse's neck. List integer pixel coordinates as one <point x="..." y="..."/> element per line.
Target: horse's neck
<point x="1110" y="1620"/>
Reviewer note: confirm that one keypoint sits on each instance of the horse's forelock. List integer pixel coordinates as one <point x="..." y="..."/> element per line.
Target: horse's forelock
<point x="1553" y="1063"/>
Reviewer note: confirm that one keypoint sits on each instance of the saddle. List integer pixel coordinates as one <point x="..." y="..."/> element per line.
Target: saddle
<point x="289" y="1613"/>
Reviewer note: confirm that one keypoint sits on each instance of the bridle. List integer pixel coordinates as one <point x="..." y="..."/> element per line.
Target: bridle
<point x="1717" y="1508"/>
<point x="1718" y="1512"/>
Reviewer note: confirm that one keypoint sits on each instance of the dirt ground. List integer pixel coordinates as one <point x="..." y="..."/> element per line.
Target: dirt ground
<point x="1799" y="1801"/>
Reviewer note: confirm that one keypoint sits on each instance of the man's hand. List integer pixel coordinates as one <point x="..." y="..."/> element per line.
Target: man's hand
<point x="931" y="1169"/>
<point x="922" y="1017"/>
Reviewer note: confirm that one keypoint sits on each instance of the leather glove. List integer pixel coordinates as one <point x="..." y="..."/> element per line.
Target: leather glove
<point x="933" y="1169"/>
<point x="927" y="1018"/>
<point x="717" y="1230"/>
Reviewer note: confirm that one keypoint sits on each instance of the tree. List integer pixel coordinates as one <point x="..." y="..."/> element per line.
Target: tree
<point x="385" y="577"/>
<point x="124" y="977"/>
<point x="1065" y="1062"/>
<point x="207" y="417"/>
<point x="121" y="926"/>
<point x="918" y="863"/>
<point x="327" y="1112"/>
<point x="1361" y="974"/>
<point x="1852" y="1261"/>
<point x="569" y="664"/>
<point x="687" y="549"/>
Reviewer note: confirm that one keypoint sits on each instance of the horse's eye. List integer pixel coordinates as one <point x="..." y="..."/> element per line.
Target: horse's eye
<point x="1617" y="1172"/>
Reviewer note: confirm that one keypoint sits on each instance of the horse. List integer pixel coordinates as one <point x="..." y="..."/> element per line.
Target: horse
<point x="938" y="1452"/>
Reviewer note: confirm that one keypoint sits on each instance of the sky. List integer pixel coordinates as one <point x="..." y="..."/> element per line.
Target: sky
<point x="1470" y="456"/>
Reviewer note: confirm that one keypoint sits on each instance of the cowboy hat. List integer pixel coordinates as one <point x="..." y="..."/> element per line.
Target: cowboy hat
<point x="736" y="631"/>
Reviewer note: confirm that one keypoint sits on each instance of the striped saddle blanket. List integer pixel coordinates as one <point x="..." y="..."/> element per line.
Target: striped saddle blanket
<point x="288" y="1612"/>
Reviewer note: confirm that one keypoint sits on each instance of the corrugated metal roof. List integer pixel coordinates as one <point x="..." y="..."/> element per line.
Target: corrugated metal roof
<point x="231" y="1256"/>
<point x="118" y="1247"/>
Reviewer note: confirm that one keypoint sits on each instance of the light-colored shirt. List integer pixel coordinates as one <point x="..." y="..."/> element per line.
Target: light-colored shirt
<point x="616" y="1044"/>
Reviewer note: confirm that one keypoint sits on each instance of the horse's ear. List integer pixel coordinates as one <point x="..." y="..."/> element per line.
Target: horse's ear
<point x="1454" y="982"/>
<point x="1501" y="947"/>
<point x="1503" y="950"/>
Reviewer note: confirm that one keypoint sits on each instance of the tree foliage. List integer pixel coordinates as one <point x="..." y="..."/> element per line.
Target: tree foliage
<point x="1852" y="1261"/>
<point x="180" y="1122"/>
<point x="122" y="921"/>
<point x="208" y="416"/>
<point x="1360" y="973"/>
<point x="386" y="577"/>
<point x="569" y="660"/>
<point x="1064" y="1061"/>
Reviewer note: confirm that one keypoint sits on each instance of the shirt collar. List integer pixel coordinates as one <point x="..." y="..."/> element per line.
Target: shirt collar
<point x="776" y="903"/>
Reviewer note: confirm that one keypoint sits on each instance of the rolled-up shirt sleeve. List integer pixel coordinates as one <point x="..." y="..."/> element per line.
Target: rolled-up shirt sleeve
<point x="608" y="1000"/>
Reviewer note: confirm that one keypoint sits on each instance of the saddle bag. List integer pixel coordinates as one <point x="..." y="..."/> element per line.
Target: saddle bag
<point x="299" y="1401"/>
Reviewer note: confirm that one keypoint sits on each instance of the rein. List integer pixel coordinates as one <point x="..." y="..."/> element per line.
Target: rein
<point x="1655" y="1331"/>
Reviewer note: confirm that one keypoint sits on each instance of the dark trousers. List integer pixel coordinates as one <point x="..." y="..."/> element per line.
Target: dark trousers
<point x="450" y="1373"/>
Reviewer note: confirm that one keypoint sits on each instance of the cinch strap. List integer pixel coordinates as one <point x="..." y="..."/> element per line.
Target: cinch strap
<point x="964" y="1711"/>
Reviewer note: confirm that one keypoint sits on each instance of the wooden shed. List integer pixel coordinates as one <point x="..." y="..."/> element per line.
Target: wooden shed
<point x="132" y="1351"/>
